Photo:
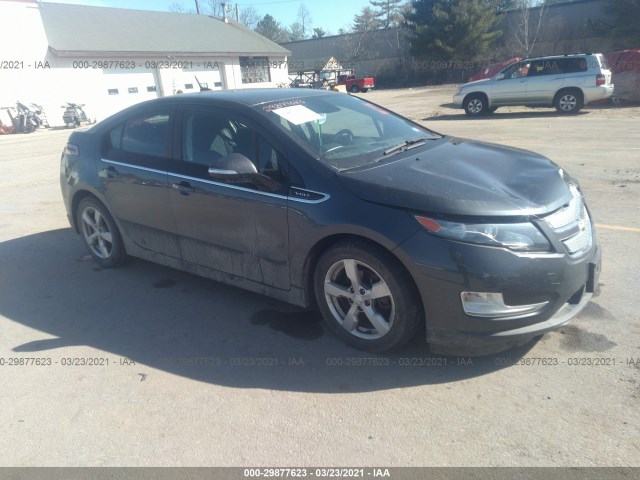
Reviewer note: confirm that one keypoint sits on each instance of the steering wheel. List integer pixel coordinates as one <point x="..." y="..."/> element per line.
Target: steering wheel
<point x="344" y="137"/>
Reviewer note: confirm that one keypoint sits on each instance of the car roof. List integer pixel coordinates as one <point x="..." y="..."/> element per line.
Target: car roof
<point x="248" y="97"/>
<point x="567" y="55"/>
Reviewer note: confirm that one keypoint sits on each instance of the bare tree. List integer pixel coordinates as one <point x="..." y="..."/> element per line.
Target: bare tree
<point x="529" y="20"/>
<point x="356" y="46"/>
<point x="250" y="17"/>
<point x="304" y="19"/>
<point x="178" y="7"/>
<point x="214" y="7"/>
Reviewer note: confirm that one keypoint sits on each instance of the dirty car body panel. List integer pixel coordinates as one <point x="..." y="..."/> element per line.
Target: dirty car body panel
<point x="493" y="246"/>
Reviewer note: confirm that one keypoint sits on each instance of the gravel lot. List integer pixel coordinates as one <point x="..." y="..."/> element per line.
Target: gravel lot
<point x="194" y="373"/>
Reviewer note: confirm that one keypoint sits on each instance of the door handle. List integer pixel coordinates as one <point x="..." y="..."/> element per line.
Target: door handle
<point x="184" y="188"/>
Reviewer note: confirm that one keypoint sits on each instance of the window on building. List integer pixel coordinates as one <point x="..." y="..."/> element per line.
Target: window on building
<point x="133" y="89"/>
<point x="151" y="89"/>
<point x="255" y="69"/>
<point x="113" y="91"/>
<point x="188" y="86"/>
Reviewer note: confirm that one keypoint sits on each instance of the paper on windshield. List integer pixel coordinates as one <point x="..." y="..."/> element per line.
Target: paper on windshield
<point x="298" y="114"/>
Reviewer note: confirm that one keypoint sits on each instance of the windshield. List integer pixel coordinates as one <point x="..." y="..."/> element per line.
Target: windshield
<point x="344" y="131"/>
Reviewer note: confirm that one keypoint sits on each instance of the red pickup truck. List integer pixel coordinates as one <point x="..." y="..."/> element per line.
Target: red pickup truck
<point x="354" y="84"/>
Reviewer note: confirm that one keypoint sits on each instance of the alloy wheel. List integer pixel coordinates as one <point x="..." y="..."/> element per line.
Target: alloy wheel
<point x="96" y="233"/>
<point x="475" y="106"/>
<point x="568" y="102"/>
<point x="359" y="299"/>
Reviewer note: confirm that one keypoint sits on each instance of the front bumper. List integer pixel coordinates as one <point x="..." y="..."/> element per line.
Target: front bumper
<point x="458" y="99"/>
<point x="443" y="269"/>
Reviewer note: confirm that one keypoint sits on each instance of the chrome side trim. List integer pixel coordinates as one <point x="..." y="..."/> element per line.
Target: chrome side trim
<point x="492" y="306"/>
<point x="233" y="187"/>
<point x="324" y="198"/>
<point x="153" y="170"/>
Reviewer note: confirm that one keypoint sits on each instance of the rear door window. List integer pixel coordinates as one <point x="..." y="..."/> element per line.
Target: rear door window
<point x="139" y="139"/>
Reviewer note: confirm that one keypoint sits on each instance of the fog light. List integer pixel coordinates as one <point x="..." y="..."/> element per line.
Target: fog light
<point x="491" y="305"/>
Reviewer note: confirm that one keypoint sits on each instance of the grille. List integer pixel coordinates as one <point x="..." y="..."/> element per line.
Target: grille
<point x="572" y="224"/>
<point x="569" y="213"/>
<point x="581" y="241"/>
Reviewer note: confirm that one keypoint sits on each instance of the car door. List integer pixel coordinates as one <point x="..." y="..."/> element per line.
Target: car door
<point x="133" y="175"/>
<point x="234" y="226"/>
<point x="512" y="89"/>
<point x="545" y="78"/>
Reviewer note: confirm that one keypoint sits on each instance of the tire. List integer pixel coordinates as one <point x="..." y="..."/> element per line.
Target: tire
<point x="385" y="316"/>
<point x="475" y="105"/>
<point x="100" y="233"/>
<point x="568" y="102"/>
<point x="355" y="89"/>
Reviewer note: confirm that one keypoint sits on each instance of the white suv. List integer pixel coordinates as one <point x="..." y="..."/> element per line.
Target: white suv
<point x="566" y="82"/>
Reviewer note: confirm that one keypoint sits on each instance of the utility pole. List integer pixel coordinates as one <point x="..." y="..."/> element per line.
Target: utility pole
<point x="197" y="7"/>
<point x="237" y="14"/>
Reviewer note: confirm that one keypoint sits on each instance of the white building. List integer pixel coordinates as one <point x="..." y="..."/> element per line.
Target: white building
<point x="110" y="58"/>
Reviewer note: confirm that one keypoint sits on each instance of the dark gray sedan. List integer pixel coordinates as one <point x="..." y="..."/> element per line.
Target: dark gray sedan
<point x="317" y="197"/>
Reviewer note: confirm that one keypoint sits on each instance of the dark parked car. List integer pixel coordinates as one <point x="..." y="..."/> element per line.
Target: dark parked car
<point x="320" y="197"/>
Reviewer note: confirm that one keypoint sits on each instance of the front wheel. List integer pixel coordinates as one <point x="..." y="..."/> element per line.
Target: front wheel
<point x="475" y="105"/>
<point x="366" y="297"/>
<point x="100" y="233"/>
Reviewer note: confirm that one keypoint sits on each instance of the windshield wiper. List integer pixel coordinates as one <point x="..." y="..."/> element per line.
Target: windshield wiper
<point x="406" y="145"/>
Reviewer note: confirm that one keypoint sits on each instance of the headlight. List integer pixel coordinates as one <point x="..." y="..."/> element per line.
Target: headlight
<point x="521" y="237"/>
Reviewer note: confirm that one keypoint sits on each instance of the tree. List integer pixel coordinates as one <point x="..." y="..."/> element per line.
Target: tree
<point x="447" y="29"/>
<point x="388" y="12"/>
<point x="529" y="21"/>
<point x="270" y="28"/>
<point x="249" y="16"/>
<point x="178" y="7"/>
<point x="318" y="33"/>
<point x="366" y="21"/>
<point x="304" y="19"/>
<point x="214" y="7"/>
<point x="295" y="32"/>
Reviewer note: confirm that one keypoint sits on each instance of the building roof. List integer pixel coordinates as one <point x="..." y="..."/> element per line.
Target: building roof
<point x="79" y="30"/>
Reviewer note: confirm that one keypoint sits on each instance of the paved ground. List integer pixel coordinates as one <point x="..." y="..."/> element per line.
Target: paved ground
<point x="191" y="372"/>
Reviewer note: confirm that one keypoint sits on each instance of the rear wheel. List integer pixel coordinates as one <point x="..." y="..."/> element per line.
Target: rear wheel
<point x="568" y="101"/>
<point x="366" y="297"/>
<point x="100" y="233"/>
<point x="475" y="105"/>
<point x="355" y="89"/>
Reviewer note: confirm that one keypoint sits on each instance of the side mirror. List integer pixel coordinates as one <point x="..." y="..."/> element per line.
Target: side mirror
<point x="231" y="167"/>
<point x="236" y="168"/>
<point x="499" y="76"/>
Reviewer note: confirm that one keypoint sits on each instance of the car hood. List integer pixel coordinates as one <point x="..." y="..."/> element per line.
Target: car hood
<point x="477" y="82"/>
<point x="462" y="177"/>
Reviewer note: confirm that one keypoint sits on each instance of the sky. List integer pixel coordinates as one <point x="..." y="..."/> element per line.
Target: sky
<point x="330" y="15"/>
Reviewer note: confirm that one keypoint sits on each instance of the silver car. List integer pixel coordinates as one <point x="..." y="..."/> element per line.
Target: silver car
<point x="566" y="82"/>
